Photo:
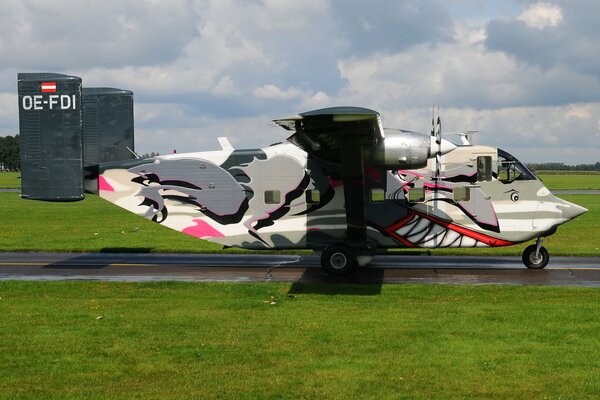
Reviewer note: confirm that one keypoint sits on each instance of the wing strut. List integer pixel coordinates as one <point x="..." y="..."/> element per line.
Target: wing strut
<point x="339" y="135"/>
<point x="353" y="177"/>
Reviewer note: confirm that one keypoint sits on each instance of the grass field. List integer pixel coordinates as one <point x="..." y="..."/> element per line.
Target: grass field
<point x="96" y="225"/>
<point x="10" y="180"/>
<point x="68" y="340"/>
<point x="571" y="182"/>
<point x="89" y="225"/>
<point x="562" y="172"/>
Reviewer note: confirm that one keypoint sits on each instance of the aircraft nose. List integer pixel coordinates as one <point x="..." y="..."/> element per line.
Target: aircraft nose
<point x="571" y="210"/>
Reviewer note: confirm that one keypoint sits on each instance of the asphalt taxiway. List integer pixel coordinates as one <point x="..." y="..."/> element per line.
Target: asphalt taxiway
<point x="140" y="267"/>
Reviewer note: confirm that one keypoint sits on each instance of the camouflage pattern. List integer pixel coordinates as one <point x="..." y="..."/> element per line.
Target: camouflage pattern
<point x="280" y="197"/>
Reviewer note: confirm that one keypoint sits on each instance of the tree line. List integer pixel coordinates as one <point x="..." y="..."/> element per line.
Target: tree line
<point x="563" y="167"/>
<point x="10" y="154"/>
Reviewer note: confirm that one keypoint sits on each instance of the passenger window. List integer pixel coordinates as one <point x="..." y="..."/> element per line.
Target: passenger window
<point x="461" y="193"/>
<point x="377" y="195"/>
<point x="313" y="196"/>
<point x="416" y="195"/>
<point x="272" y="197"/>
<point x="484" y="168"/>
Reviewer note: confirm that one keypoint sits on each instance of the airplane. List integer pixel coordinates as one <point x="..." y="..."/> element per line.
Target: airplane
<point x="341" y="185"/>
<point x="344" y="186"/>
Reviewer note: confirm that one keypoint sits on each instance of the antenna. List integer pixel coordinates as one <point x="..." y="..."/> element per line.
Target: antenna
<point x="134" y="153"/>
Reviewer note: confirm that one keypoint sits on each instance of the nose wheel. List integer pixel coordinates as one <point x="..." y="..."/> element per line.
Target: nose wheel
<point x="535" y="256"/>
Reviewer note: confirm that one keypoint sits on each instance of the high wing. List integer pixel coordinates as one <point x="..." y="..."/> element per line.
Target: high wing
<point x="322" y="132"/>
<point x="339" y="134"/>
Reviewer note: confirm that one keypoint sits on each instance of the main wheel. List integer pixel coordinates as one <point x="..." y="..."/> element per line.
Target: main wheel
<point x="338" y="259"/>
<point x="532" y="261"/>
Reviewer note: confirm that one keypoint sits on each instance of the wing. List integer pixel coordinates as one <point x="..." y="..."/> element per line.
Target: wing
<point x="322" y="132"/>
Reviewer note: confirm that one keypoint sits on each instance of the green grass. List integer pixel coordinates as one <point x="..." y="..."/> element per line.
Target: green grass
<point x="10" y="180"/>
<point x="90" y="225"/>
<point x="571" y="182"/>
<point x="564" y="172"/>
<point x="96" y="225"/>
<point x="199" y="340"/>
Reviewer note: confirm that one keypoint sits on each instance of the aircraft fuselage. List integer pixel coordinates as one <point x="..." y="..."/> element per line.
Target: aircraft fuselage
<point x="280" y="197"/>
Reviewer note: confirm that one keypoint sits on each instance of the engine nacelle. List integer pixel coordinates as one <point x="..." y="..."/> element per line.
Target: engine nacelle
<point x="401" y="150"/>
<point x="406" y="150"/>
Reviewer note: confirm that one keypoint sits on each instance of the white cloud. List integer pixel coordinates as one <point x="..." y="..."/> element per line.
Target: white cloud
<point x="47" y="35"/>
<point x="273" y="92"/>
<point x="8" y="114"/>
<point x="204" y="68"/>
<point x="317" y="100"/>
<point x="225" y="87"/>
<point x="541" y="15"/>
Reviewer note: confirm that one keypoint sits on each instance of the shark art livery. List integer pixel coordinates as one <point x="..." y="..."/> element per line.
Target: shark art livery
<point x="341" y="184"/>
<point x="344" y="186"/>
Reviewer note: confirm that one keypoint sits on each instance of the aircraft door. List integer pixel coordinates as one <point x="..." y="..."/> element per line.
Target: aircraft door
<point x="534" y="226"/>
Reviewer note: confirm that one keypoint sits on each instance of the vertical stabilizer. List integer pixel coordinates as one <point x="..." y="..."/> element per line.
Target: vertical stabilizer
<point x="107" y="125"/>
<point x="50" y="129"/>
<point x="107" y="130"/>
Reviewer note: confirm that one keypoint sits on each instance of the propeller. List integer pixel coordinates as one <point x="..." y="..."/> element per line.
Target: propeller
<point x="436" y="134"/>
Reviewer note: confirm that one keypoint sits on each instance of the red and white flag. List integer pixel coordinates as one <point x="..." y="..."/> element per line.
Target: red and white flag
<point x="48" y="87"/>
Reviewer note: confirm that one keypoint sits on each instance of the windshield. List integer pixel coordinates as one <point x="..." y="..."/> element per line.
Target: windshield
<point x="510" y="169"/>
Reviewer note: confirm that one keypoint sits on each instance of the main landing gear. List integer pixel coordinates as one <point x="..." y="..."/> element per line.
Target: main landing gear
<point x="340" y="259"/>
<point x="535" y="256"/>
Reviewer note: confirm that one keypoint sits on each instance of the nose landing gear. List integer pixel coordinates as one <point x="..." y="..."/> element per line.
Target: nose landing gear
<point x="536" y="256"/>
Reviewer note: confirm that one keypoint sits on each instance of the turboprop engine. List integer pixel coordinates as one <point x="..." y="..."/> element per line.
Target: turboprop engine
<point x="406" y="150"/>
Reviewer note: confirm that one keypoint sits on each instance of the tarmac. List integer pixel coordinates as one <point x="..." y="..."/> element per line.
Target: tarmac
<point x="425" y="269"/>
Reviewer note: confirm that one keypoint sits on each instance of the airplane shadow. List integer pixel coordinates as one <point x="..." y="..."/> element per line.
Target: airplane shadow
<point x="126" y="250"/>
<point x="91" y="261"/>
<point x="362" y="282"/>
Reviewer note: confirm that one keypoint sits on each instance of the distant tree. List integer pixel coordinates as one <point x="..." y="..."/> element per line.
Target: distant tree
<point x="552" y="166"/>
<point x="148" y="155"/>
<point x="10" y="154"/>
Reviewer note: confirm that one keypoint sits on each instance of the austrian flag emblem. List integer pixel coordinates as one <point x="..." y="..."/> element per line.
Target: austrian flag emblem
<point x="48" y="87"/>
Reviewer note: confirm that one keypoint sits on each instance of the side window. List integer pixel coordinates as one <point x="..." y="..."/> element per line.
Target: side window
<point x="313" y="196"/>
<point x="461" y="193"/>
<point x="272" y="197"/>
<point x="484" y="168"/>
<point x="377" y="195"/>
<point x="416" y="195"/>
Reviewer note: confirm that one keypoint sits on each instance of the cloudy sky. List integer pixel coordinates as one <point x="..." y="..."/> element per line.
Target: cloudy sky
<point x="525" y="74"/>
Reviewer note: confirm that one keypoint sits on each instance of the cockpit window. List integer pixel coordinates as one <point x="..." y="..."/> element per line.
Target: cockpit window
<point x="510" y="169"/>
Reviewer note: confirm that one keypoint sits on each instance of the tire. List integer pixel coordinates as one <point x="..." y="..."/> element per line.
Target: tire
<point x="533" y="262"/>
<point x="338" y="259"/>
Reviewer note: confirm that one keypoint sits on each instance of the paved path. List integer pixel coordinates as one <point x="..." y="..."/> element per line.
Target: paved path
<point x="562" y="271"/>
